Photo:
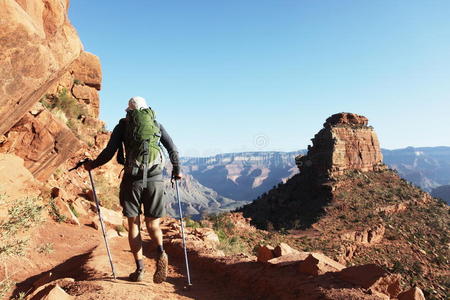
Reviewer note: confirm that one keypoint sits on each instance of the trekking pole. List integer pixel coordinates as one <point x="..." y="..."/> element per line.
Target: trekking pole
<point x="99" y="214"/>
<point x="182" y="234"/>
<point x="101" y="223"/>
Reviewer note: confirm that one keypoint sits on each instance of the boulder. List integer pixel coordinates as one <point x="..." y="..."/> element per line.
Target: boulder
<point x="412" y="294"/>
<point x="208" y="236"/>
<point x="318" y="264"/>
<point x="372" y="277"/>
<point x="80" y="207"/>
<point x="264" y="253"/>
<point x="112" y="217"/>
<point x="52" y="291"/>
<point x="284" y="249"/>
<point x="288" y="259"/>
<point x="15" y="177"/>
<point x="37" y="44"/>
<point x="57" y="293"/>
<point x="58" y="192"/>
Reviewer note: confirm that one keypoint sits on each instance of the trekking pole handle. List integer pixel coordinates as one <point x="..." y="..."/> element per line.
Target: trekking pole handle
<point x="79" y="164"/>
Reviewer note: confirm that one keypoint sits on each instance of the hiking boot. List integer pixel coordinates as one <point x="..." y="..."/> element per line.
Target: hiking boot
<point x="161" y="268"/>
<point x="137" y="276"/>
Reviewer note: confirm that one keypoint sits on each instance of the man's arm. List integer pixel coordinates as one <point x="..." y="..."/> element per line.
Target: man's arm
<point x="114" y="143"/>
<point x="167" y="142"/>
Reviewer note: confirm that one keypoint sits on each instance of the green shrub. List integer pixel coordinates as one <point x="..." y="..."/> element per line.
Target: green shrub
<point x="69" y="105"/>
<point x="191" y="223"/>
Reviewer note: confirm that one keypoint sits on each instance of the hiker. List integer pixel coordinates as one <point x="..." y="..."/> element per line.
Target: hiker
<point x="141" y="184"/>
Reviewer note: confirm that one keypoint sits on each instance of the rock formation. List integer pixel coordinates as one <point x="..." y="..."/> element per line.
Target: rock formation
<point x="38" y="43"/>
<point x="42" y="142"/>
<point x="43" y="61"/>
<point x="345" y="143"/>
<point x="348" y="204"/>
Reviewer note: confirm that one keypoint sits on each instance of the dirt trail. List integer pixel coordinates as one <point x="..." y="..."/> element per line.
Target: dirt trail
<point x="99" y="284"/>
<point x="92" y="273"/>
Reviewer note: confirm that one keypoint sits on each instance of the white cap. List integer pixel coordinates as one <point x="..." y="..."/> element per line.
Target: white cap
<point x="136" y="103"/>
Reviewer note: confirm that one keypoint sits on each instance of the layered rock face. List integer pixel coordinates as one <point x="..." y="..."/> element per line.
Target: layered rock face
<point x="42" y="142"/>
<point x="345" y="143"/>
<point x="37" y="44"/>
<point x="42" y="61"/>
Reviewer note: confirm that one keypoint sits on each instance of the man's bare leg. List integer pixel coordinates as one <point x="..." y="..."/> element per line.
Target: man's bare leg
<point x="135" y="241"/>
<point x="134" y="237"/>
<point x="154" y="230"/>
<point x="162" y="261"/>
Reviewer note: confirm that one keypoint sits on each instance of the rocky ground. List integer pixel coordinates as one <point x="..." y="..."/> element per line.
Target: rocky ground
<point x="82" y="271"/>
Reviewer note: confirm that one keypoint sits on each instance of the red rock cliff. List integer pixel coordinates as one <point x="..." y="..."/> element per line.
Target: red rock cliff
<point x="42" y="61"/>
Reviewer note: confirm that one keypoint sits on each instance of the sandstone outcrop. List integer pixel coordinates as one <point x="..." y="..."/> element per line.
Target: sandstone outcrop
<point x="38" y="43"/>
<point x="345" y="143"/>
<point x="367" y="236"/>
<point x="42" y="142"/>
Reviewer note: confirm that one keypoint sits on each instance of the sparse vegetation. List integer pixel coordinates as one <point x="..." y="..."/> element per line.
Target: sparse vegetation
<point x="416" y="235"/>
<point x="46" y="248"/>
<point x="5" y="285"/>
<point x="78" y="82"/>
<point x="230" y="243"/>
<point x="73" y="210"/>
<point x="192" y="223"/>
<point x="55" y="213"/>
<point x="71" y="112"/>
<point x="22" y="215"/>
<point x="20" y="296"/>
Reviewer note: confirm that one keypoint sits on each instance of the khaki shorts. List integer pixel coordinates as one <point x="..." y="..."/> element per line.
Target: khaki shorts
<point x="133" y="196"/>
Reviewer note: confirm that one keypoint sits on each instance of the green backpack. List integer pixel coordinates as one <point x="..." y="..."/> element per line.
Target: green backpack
<point x="142" y="137"/>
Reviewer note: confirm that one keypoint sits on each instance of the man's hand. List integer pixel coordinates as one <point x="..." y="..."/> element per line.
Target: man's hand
<point x="88" y="165"/>
<point x="176" y="173"/>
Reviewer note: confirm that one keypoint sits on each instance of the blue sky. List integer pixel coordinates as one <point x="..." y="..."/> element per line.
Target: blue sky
<point x="245" y="75"/>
